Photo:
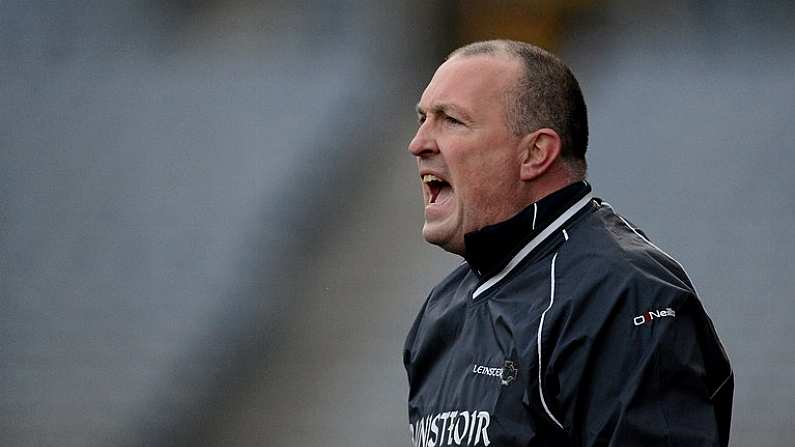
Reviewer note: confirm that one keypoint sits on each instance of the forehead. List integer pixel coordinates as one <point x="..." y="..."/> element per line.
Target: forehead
<point x="471" y="82"/>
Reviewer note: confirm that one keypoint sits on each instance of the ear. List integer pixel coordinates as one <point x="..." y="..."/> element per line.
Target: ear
<point x="540" y="149"/>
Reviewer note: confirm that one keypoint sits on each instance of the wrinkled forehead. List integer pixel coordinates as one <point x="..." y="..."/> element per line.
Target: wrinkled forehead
<point x="472" y="81"/>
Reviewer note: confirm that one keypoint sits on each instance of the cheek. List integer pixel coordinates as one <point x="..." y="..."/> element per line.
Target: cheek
<point x="488" y="173"/>
<point x="472" y="163"/>
<point x="481" y="192"/>
<point x="482" y="169"/>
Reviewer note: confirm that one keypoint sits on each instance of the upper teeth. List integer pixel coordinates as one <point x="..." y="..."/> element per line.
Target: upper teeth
<point x="427" y="178"/>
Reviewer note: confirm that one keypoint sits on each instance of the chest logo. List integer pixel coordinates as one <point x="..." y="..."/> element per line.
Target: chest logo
<point x="647" y="317"/>
<point x="507" y="374"/>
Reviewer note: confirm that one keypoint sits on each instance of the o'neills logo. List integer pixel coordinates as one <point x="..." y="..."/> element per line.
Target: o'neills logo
<point x="651" y="315"/>
<point x="451" y="428"/>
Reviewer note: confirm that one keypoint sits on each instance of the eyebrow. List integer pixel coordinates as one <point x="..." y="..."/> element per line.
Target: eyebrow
<point x="444" y="108"/>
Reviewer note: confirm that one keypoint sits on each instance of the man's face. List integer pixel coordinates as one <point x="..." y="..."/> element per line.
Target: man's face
<point x="468" y="158"/>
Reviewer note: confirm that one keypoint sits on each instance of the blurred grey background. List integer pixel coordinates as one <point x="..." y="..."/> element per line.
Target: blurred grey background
<point x="209" y="223"/>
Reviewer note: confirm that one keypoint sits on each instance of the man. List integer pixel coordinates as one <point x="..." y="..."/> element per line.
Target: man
<point x="566" y="325"/>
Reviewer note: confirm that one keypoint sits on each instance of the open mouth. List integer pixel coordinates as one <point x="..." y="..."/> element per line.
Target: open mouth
<point x="437" y="188"/>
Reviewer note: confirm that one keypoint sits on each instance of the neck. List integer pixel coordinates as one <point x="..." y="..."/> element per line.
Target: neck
<point x="488" y="250"/>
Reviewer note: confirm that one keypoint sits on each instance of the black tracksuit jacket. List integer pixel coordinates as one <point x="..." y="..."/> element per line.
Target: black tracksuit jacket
<point x="566" y="326"/>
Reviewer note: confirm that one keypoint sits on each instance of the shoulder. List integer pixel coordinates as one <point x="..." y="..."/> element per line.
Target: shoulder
<point x="607" y="261"/>
<point x="445" y="301"/>
<point x="440" y="317"/>
<point x="451" y="285"/>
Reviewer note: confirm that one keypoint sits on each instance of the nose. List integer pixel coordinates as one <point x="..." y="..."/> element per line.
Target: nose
<point x="423" y="144"/>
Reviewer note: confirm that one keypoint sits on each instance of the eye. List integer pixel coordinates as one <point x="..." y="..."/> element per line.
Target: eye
<point x="420" y="119"/>
<point x="450" y="120"/>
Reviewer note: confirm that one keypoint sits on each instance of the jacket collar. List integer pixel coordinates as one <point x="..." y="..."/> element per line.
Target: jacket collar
<point x="490" y="249"/>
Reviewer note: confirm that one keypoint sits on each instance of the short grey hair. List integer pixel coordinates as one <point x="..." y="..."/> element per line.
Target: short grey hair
<point x="546" y="95"/>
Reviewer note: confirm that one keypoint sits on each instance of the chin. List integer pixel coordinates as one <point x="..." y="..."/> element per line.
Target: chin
<point x="443" y="240"/>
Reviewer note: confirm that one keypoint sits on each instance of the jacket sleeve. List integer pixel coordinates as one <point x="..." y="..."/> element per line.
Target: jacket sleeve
<point x="634" y="362"/>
